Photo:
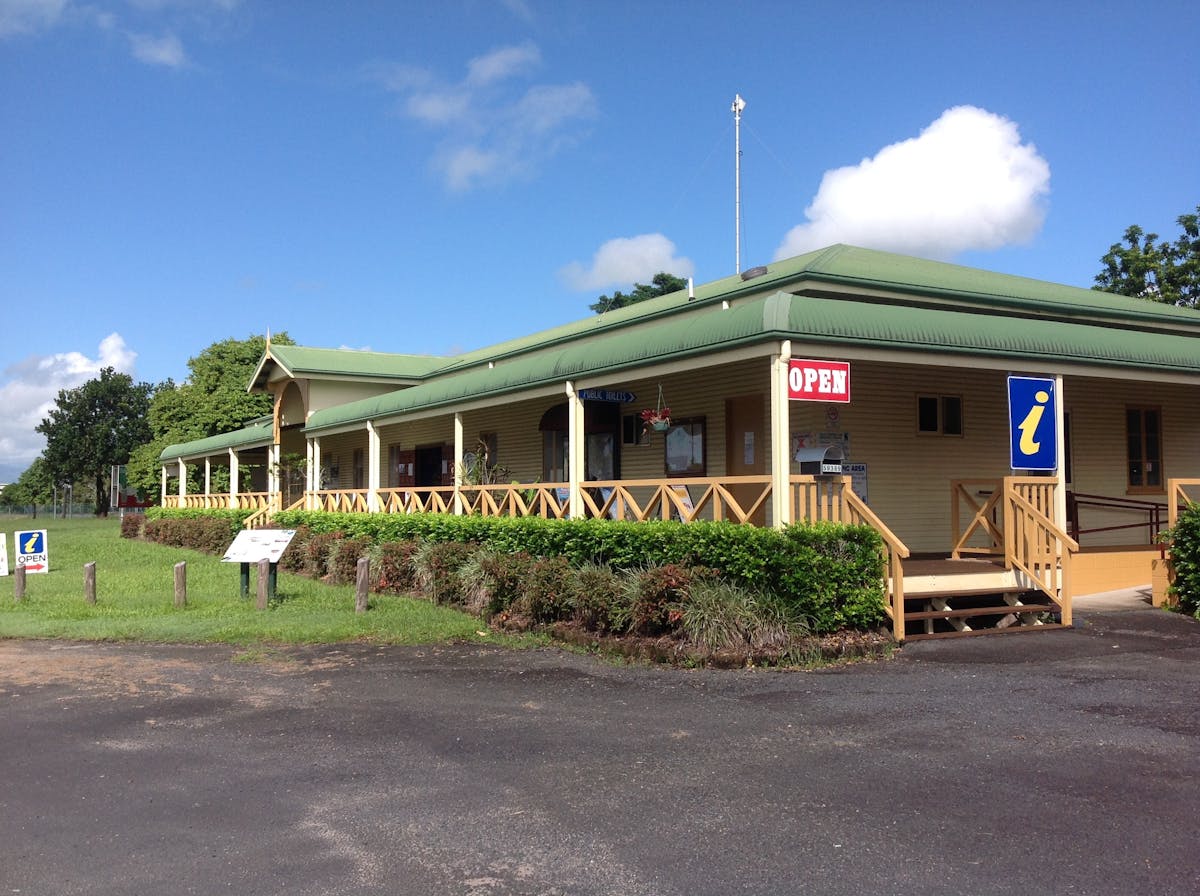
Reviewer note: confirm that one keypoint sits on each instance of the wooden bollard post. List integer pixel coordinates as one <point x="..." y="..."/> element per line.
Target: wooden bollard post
<point x="89" y="582"/>
<point x="19" y="584"/>
<point x="264" y="572"/>
<point x="362" y="582"/>
<point x="180" y="585"/>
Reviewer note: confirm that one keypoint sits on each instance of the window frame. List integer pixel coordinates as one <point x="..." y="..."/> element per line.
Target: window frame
<point x="1144" y="459"/>
<point x="941" y="400"/>
<point x="693" y="469"/>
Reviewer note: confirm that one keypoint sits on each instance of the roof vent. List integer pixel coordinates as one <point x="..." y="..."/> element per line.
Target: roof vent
<point x="751" y="273"/>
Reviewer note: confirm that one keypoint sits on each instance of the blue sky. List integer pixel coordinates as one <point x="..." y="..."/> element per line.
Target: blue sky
<point x="436" y="177"/>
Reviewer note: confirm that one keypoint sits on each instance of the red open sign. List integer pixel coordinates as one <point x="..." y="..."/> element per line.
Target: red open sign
<point x="819" y="381"/>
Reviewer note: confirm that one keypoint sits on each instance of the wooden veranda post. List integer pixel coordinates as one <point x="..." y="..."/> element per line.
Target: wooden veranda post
<point x="781" y="465"/>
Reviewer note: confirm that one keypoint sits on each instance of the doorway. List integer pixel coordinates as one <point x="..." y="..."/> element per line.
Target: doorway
<point x="745" y="449"/>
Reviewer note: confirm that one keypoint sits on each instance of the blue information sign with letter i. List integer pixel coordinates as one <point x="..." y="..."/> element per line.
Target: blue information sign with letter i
<point x="1032" y="434"/>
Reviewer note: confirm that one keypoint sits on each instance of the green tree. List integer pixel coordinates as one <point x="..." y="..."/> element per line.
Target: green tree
<point x="212" y="400"/>
<point x="33" y="487"/>
<point x="661" y="284"/>
<point x="1163" y="271"/>
<point x="93" y="427"/>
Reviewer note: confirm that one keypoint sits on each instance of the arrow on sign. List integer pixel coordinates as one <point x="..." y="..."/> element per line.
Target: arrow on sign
<point x="34" y="567"/>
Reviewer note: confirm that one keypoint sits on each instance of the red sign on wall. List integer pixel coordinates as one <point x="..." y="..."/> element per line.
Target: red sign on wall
<point x="819" y="381"/>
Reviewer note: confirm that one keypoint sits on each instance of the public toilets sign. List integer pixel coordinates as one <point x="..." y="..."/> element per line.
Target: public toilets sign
<point x="1033" y="436"/>
<point x="31" y="551"/>
<point x="819" y="381"/>
<point x="3" y="554"/>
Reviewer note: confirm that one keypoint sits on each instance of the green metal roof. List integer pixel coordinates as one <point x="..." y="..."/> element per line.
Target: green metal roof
<point x="300" y="361"/>
<point x="914" y="305"/>
<point x="257" y="434"/>
<point x="847" y="267"/>
<point x="836" y="322"/>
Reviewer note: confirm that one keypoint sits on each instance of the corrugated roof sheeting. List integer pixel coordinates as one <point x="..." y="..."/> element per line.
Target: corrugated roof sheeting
<point x="248" y="437"/>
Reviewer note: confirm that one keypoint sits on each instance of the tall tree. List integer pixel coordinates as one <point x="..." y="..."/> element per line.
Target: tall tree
<point x="93" y="427"/>
<point x="1160" y="271"/>
<point x="661" y="284"/>
<point x="212" y="400"/>
<point x="33" y="487"/>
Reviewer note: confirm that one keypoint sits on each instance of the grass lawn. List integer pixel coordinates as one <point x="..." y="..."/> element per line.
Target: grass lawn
<point x="135" y="598"/>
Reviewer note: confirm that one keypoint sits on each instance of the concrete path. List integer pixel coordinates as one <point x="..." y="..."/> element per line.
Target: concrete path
<point x="1059" y="762"/>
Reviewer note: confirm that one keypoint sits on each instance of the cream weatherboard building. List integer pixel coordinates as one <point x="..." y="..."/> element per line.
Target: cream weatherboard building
<point x="924" y="436"/>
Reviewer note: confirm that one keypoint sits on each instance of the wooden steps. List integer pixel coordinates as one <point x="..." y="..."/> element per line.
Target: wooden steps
<point x="970" y="633"/>
<point x="956" y="613"/>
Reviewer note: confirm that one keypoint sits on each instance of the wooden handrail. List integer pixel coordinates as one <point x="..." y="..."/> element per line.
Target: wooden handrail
<point x="894" y="550"/>
<point x="1177" y="497"/>
<point x="1036" y="546"/>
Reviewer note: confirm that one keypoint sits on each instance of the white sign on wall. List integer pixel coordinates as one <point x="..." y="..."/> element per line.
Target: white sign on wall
<point x="3" y="554"/>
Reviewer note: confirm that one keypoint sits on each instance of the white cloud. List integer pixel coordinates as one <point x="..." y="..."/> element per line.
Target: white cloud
<point x="28" y="16"/>
<point x="966" y="182"/>
<point x="493" y="128"/>
<point x="28" y="390"/>
<point x="626" y="260"/>
<point x="502" y="63"/>
<point x="165" y="50"/>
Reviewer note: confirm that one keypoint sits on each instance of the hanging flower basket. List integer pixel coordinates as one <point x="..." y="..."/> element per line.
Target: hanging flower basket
<point x="657" y="419"/>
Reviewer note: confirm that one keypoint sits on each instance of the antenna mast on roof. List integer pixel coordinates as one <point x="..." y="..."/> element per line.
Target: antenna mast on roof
<point x="738" y="105"/>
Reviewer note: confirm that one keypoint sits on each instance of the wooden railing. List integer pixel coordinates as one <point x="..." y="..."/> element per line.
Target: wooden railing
<point x="257" y="501"/>
<point x="1036" y="546"/>
<point x="982" y="500"/>
<point x="1015" y="518"/>
<point x="340" y="500"/>
<point x="544" y="499"/>
<point x="426" y="499"/>
<point x="686" y="500"/>
<point x="856" y="512"/>
<point x="261" y="518"/>
<point x="1178" y="497"/>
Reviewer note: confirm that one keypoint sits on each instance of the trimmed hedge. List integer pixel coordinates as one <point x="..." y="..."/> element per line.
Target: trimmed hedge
<point x="830" y="573"/>
<point x="1185" y="559"/>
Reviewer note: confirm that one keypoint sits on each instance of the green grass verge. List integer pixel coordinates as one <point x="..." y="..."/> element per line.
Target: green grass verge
<point x="135" y="599"/>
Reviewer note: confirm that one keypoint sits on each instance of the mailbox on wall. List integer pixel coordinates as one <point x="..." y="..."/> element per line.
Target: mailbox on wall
<point x="825" y="461"/>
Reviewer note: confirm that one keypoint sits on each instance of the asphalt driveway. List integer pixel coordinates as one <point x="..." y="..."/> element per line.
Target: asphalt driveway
<point x="1062" y="763"/>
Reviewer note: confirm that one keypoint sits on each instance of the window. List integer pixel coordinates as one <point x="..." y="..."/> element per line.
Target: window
<point x="684" y="448"/>
<point x="359" y="467"/>
<point x="1143" y="439"/>
<point x="940" y="415"/>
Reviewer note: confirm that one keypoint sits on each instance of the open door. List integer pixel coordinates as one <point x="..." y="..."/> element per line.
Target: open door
<point x="746" y="448"/>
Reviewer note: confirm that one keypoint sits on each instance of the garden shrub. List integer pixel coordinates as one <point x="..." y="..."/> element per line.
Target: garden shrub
<point x="317" y="552"/>
<point x="1185" y="559"/>
<point x="131" y="525"/>
<point x="393" y="563"/>
<point x="436" y="565"/>
<point x="657" y="592"/>
<point x="490" y="581"/>
<point x="599" y="602"/>
<point x="547" y="589"/>
<point x="295" y="556"/>
<point x="830" y="575"/>
<point x="343" y="559"/>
